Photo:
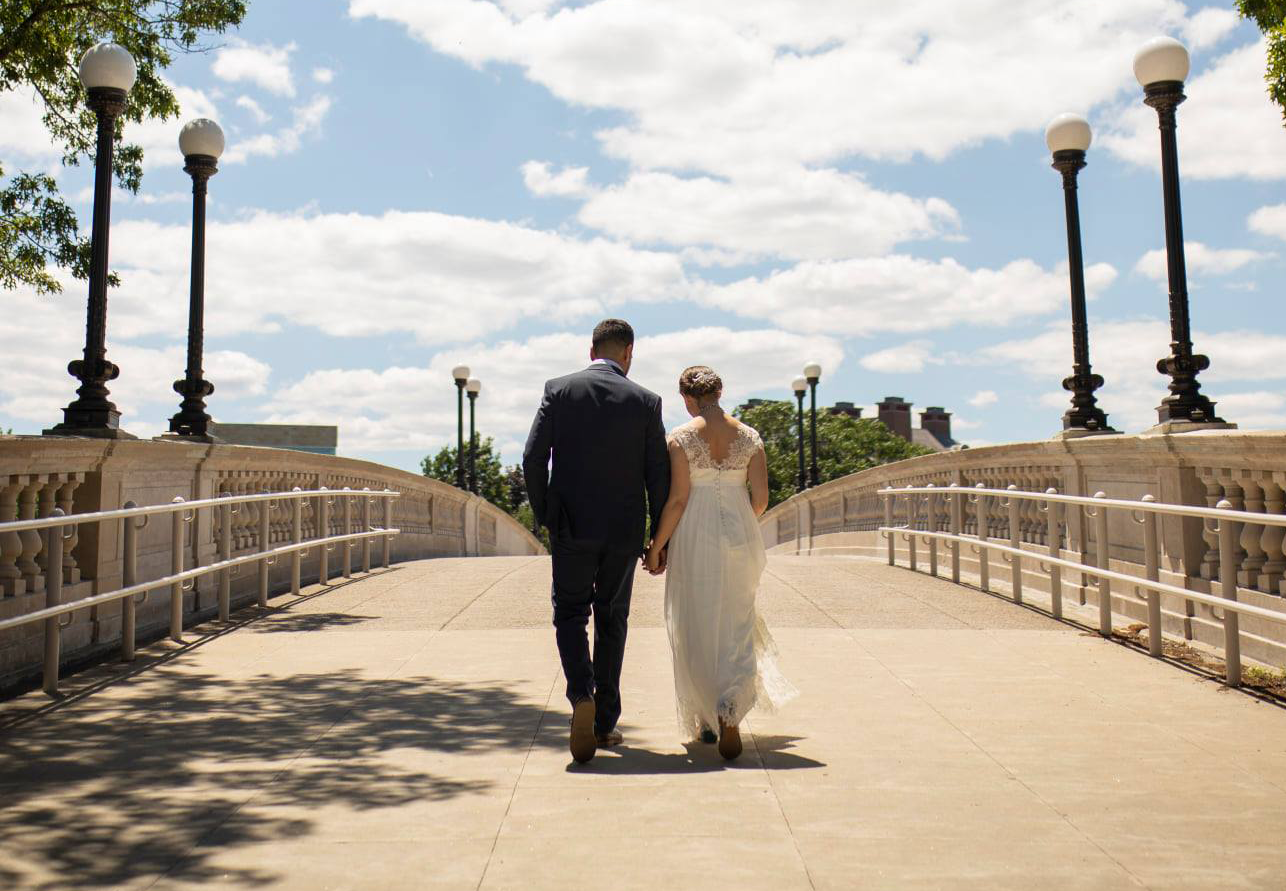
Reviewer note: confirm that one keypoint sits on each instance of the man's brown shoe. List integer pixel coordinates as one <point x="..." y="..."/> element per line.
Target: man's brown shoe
<point x="582" y="742"/>
<point x="609" y="739"/>
<point x="729" y="740"/>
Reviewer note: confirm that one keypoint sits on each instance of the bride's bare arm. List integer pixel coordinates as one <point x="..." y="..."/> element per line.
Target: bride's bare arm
<point x="680" y="486"/>
<point x="758" y="474"/>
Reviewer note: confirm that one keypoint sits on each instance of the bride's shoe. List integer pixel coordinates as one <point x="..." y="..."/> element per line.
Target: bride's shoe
<point x="729" y="740"/>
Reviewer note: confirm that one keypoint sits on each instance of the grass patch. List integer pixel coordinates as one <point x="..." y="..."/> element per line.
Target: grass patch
<point x="1268" y="682"/>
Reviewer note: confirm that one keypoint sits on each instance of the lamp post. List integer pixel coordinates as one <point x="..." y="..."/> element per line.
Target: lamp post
<point x="201" y="142"/>
<point x="800" y="386"/>
<point x="1068" y="137"/>
<point x="813" y="374"/>
<point x="461" y="375"/>
<point x="1161" y="65"/>
<point x="474" y="387"/>
<point x="108" y="72"/>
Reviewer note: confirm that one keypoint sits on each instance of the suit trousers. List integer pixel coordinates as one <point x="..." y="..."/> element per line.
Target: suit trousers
<point x="590" y="578"/>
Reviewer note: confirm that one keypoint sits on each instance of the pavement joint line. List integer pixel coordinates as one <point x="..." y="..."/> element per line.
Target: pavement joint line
<point x="304" y="750"/>
<point x="805" y="598"/>
<point x="486" y="590"/>
<point x="794" y="840"/>
<point x="513" y="793"/>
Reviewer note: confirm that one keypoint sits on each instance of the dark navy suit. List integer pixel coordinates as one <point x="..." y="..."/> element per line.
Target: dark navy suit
<point x="609" y="470"/>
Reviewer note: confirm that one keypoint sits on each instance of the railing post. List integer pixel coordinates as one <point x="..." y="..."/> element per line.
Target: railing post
<point x="366" y="527"/>
<point x="1228" y="535"/>
<point x="1152" y="567"/>
<point x="348" y="528"/>
<point x="1055" y="571"/>
<point x="265" y="513"/>
<point x="53" y="597"/>
<point x="1015" y="541"/>
<point x="323" y="532"/>
<point x="931" y="502"/>
<point x="129" y="576"/>
<point x="176" y="566"/>
<point x="956" y="524"/>
<point x="1104" y="583"/>
<point x="297" y="537"/>
<point x="225" y="553"/>
<point x="984" y="553"/>
<point x="388" y="524"/>
<point x="912" y="502"/>
<point x="888" y="524"/>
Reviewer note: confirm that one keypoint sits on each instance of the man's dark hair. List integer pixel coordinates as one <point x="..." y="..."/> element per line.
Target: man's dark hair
<point x="614" y="334"/>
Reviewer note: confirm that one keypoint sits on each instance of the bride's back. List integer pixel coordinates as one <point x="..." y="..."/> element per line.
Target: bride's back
<point x="720" y="433"/>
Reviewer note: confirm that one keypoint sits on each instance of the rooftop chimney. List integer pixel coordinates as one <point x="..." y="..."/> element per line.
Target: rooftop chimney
<point x="895" y="413"/>
<point x="846" y="408"/>
<point x="938" y="422"/>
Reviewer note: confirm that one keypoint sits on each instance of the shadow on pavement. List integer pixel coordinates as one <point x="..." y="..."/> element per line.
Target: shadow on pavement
<point x="113" y="790"/>
<point x="761" y="752"/>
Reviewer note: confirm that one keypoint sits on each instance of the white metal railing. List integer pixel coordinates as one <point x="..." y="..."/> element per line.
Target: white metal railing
<point x="1220" y="520"/>
<point x="61" y="527"/>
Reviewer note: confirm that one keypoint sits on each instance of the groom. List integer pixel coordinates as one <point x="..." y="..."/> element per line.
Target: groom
<point x="608" y="447"/>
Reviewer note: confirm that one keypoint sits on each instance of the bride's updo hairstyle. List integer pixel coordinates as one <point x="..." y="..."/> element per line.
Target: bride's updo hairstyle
<point x="700" y="382"/>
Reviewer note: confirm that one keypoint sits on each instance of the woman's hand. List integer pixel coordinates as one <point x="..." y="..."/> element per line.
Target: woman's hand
<point x="654" y="560"/>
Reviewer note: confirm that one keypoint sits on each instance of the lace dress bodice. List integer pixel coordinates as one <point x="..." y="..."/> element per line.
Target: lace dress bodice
<point x="701" y="463"/>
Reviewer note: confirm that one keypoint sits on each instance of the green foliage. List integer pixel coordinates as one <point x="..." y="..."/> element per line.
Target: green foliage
<point x="1270" y="16"/>
<point x="41" y="42"/>
<point x="844" y="445"/>
<point x="506" y="488"/>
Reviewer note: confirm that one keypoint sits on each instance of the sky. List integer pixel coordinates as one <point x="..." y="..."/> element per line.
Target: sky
<point x="753" y="184"/>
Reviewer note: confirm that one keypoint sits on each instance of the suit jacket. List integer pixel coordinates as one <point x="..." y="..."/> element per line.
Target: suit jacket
<point x="608" y="445"/>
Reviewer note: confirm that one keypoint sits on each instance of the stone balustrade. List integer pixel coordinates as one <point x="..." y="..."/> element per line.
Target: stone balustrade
<point x="1246" y="469"/>
<point x="39" y="474"/>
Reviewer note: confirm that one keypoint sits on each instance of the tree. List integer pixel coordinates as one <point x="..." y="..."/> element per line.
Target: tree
<point x="844" y="445"/>
<point x="1270" y="16"/>
<point x="506" y="488"/>
<point x="41" y="42"/>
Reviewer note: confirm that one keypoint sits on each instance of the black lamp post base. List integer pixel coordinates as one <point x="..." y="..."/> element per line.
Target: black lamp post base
<point x="1081" y="432"/>
<point x="65" y="429"/>
<point x="1181" y="426"/>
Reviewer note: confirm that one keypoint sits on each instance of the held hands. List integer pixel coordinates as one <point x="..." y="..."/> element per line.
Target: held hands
<point x="654" y="560"/>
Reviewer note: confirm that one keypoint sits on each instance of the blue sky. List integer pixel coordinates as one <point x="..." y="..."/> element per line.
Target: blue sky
<point x="412" y="185"/>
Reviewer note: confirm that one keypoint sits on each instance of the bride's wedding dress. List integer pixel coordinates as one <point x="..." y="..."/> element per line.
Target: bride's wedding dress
<point x="724" y="658"/>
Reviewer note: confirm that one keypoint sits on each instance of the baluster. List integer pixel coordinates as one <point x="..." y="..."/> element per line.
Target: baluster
<point x="28" y="499"/>
<point x="1214" y="494"/>
<point x="1251" y="533"/>
<point x="1270" y="574"/>
<point x="1234" y="495"/>
<point x="47" y="501"/>
<point x="11" y="542"/>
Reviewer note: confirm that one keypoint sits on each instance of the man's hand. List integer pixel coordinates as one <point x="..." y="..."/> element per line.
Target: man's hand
<point x="655" y="559"/>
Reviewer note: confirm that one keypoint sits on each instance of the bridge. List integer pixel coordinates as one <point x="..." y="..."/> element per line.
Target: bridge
<point x="404" y="725"/>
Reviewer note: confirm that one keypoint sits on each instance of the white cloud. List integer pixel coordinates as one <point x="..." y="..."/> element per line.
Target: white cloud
<point x="255" y="109"/>
<point x="323" y="75"/>
<point x="898" y="293"/>
<point x="1210" y="25"/>
<point x="1227" y="128"/>
<point x="22" y="129"/>
<point x="792" y="213"/>
<point x="264" y="65"/>
<point x="440" y="278"/>
<point x="908" y="358"/>
<point x="307" y="121"/>
<point x="377" y="415"/>
<point x="1269" y="220"/>
<point x="711" y="86"/>
<point x="983" y="398"/>
<point x="1125" y="354"/>
<point x="1198" y="259"/>
<point x="570" y="182"/>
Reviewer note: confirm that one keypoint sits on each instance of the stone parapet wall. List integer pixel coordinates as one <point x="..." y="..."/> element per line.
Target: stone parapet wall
<point x="38" y="474"/>
<point x="1200" y="468"/>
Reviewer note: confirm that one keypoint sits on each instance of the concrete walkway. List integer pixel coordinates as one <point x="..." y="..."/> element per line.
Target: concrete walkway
<point x="408" y="730"/>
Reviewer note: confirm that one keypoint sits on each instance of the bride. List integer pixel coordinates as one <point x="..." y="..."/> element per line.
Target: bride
<point x="724" y="658"/>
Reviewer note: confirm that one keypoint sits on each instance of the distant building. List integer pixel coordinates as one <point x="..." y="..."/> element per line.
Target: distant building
<point x="846" y="408"/>
<point x="934" y="431"/>
<point x="316" y="438"/>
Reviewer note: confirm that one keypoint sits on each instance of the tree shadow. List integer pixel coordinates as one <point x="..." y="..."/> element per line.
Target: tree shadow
<point x="111" y="791"/>
<point x="289" y="622"/>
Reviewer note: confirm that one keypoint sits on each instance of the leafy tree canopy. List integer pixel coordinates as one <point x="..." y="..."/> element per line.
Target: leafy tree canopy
<point x="506" y="488"/>
<point x="844" y="445"/>
<point x="41" y="42"/>
<point x="1270" y="16"/>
